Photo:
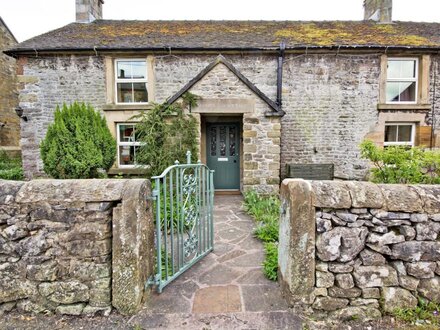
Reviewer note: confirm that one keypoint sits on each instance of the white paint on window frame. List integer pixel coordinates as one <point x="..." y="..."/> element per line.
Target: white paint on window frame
<point x="416" y="79"/>
<point x="118" y="80"/>
<point x="129" y="144"/>
<point x="401" y="143"/>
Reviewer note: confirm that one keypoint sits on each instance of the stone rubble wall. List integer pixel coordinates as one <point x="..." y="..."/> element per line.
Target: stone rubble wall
<point x="375" y="246"/>
<point x="62" y="247"/>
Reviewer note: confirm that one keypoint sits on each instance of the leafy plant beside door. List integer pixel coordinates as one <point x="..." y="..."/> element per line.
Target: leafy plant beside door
<point x="166" y="133"/>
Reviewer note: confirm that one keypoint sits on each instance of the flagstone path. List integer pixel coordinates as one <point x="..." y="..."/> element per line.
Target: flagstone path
<point x="227" y="281"/>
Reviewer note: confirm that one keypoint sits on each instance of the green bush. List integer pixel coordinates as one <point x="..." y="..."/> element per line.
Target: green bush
<point x="166" y="134"/>
<point x="402" y="165"/>
<point x="266" y="211"/>
<point x="10" y="168"/>
<point x="78" y="144"/>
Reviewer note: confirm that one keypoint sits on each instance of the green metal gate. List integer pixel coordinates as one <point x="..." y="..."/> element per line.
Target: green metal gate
<point x="184" y="197"/>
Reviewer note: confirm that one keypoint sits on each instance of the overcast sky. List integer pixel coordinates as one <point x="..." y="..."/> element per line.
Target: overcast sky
<point x="28" y="18"/>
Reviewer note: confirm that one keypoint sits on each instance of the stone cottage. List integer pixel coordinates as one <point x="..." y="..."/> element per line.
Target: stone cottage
<point x="271" y="93"/>
<point x="9" y="122"/>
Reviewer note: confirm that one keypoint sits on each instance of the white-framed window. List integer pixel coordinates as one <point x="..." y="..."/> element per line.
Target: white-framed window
<point x="402" y="80"/>
<point x="128" y="145"/>
<point x="131" y="81"/>
<point x="399" y="134"/>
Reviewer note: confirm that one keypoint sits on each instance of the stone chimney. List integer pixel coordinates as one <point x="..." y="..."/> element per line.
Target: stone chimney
<point x="88" y="10"/>
<point x="378" y="10"/>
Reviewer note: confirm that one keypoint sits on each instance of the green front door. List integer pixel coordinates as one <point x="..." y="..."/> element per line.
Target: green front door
<point x="223" y="154"/>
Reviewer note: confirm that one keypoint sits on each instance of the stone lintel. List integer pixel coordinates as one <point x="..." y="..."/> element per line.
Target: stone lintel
<point x="225" y="105"/>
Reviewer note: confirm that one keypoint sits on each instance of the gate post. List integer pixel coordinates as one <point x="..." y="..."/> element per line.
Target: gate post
<point x="133" y="247"/>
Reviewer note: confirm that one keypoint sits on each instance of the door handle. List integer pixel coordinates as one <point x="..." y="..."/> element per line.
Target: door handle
<point x="235" y="160"/>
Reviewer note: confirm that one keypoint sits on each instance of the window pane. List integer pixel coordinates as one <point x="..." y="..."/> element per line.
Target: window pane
<point x="222" y="138"/>
<point x="407" y="92"/>
<point x="140" y="92"/>
<point x="213" y="144"/>
<point x="390" y="133"/>
<point x="139" y="70"/>
<point x="393" y="69"/>
<point x="126" y="133"/>
<point x="232" y="141"/>
<point x="404" y="134"/>
<point x="392" y="92"/>
<point x="408" y="69"/>
<point x="125" y="92"/>
<point x="124" y="69"/>
<point x="126" y="155"/>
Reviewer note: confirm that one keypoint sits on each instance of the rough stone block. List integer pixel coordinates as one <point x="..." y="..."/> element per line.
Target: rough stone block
<point x="361" y="314"/>
<point x="430" y="194"/>
<point x="344" y="281"/>
<point x="375" y="276"/>
<point x="408" y="282"/>
<point x="344" y="293"/>
<point x="69" y="292"/>
<point x="75" y="309"/>
<point x="401" y="198"/>
<point x="365" y="194"/>
<point x="324" y="279"/>
<point x="430" y="288"/>
<point x="371" y="258"/>
<point x="329" y="303"/>
<point x="416" y="251"/>
<point x="331" y="194"/>
<point x="341" y="244"/>
<point x="369" y="293"/>
<point x="421" y="269"/>
<point x="397" y="298"/>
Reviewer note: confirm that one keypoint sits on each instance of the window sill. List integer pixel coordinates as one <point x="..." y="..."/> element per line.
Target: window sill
<point x="133" y="107"/>
<point x="395" y="106"/>
<point x="126" y="170"/>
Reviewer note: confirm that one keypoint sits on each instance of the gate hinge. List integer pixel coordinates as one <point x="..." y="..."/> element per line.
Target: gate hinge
<point x="153" y="196"/>
<point x="153" y="280"/>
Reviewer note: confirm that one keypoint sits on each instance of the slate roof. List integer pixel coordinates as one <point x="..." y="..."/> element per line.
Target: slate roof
<point x="104" y="35"/>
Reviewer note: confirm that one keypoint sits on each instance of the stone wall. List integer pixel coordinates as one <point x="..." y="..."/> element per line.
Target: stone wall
<point x="45" y="83"/>
<point x="9" y="122"/>
<point x="330" y="102"/>
<point x="375" y="247"/>
<point x="74" y="246"/>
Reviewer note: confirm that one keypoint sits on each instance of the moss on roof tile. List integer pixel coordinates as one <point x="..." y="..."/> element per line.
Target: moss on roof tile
<point x="235" y="34"/>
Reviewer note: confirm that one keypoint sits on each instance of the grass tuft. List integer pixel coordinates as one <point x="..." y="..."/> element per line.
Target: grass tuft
<point x="265" y="209"/>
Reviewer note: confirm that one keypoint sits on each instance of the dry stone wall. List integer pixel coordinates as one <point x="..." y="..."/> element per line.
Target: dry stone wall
<point x="376" y="247"/>
<point x="68" y="246"/>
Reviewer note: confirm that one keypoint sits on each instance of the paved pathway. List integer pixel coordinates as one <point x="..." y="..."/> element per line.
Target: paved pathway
<point x="227" y="285"/>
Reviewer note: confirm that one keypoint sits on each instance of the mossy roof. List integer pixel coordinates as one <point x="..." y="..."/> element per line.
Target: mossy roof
<point x="206" y="35"/>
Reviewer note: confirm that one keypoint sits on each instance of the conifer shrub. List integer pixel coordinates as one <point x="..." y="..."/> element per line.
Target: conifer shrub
<point x="78" y="144"/>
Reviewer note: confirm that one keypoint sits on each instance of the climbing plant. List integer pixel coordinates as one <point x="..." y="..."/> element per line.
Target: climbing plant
<point x="166" y="133"/>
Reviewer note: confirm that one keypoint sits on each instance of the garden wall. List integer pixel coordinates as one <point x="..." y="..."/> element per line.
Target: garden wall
<point x="75" y="246"/>
<point x="357" y="249"/>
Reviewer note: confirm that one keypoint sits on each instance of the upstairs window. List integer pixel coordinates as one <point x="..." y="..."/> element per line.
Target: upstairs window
<point x="128" y="144"/>
<point x="402" y="76"/>
<point x="131" y="81"/>
<point x="399" y="134"/>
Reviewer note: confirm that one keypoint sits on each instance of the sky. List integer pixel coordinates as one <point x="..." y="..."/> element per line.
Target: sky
<point x="28" y="18"/>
